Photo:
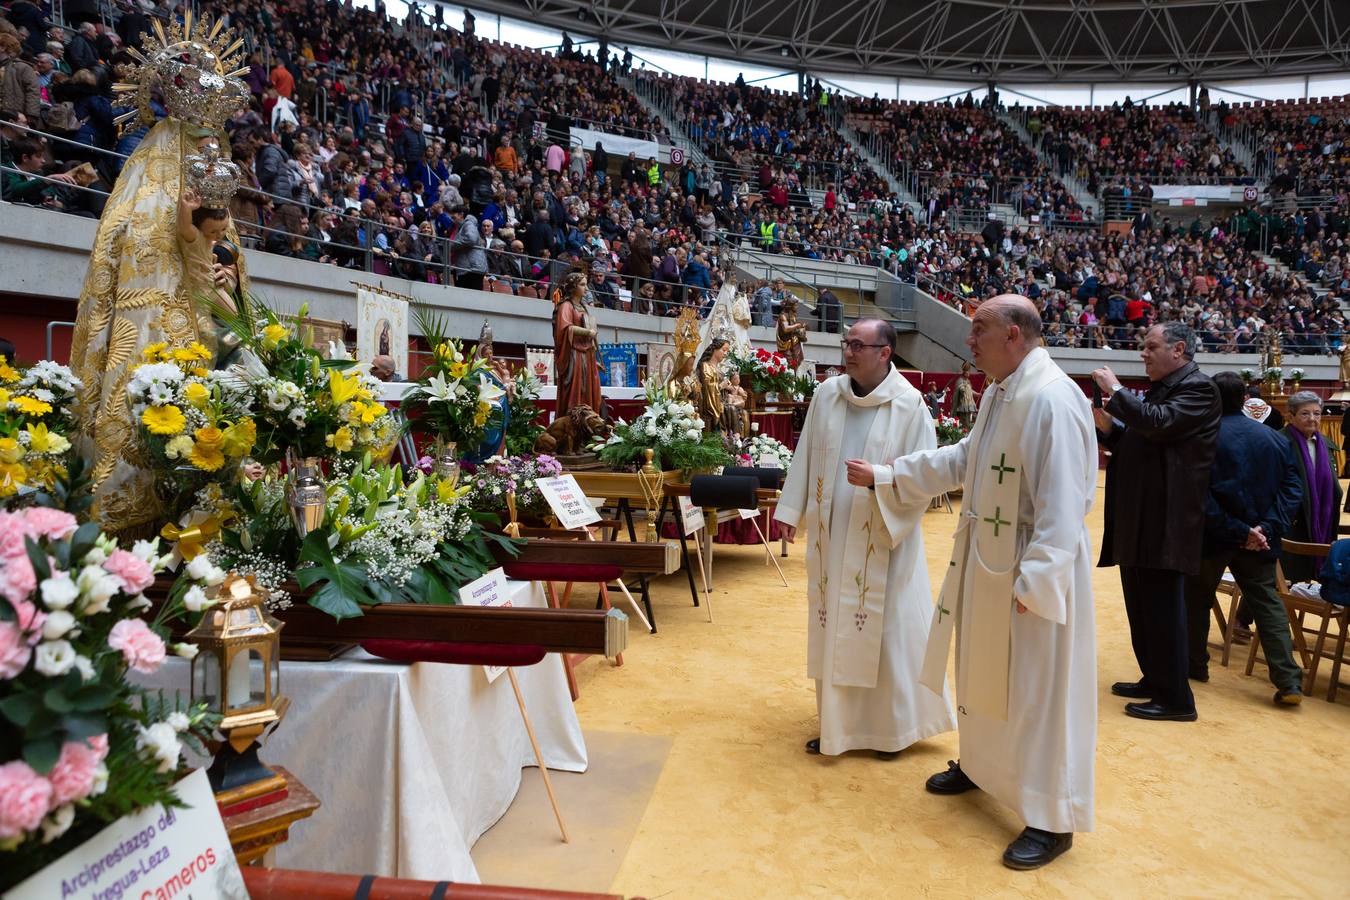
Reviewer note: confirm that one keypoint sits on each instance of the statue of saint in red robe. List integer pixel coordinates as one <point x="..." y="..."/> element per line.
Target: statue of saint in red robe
<point x="575" y="369"/>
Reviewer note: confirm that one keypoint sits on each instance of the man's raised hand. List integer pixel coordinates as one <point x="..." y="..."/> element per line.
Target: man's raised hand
<point x="860" y="473"/>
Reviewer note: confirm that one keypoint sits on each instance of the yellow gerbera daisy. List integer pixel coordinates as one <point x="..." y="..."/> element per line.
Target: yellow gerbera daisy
<point x="31" y="406"/>
<point x="7" y="372"/>
<point x="155" y="352"/>
<point x="164" y="419"/>
<point x="206" y="457"/>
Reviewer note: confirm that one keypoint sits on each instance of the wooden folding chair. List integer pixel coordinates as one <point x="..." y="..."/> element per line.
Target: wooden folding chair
<point x="1227" y="622"/>
<point x="1299" y="604"/>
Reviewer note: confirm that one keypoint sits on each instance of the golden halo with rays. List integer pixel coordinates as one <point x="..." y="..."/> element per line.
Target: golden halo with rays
<point x="196" y="66"/>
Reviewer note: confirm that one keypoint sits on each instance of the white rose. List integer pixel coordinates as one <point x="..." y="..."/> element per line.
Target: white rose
<point x="693" y="434"/>
<point x="57" y="822"/>
<point x="187" y="651"/>
<point x="54" y="658"/>
<point x="179" y="721"/>
<point x="215" y="576"/>
<point x="100" y="780"/>
<point x="138" y="603"/>
<point x="162" y="741"/>
<point x="98" y="587"/>
<point x="97" y="556"/>
<point x="85" y="666"/>
<point x="146" y="551"/>
<point x="59" y="591"/>
<point x="57" y="624"/>
<point x="195" y="599"/>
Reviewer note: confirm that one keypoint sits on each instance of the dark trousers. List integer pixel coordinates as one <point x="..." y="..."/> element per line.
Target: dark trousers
<point x="1255" y="576"/>
<point x="472" y="281"/>
<point x="1155" y="603"/>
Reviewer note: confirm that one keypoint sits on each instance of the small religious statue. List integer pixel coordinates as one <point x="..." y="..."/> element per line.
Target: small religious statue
<point x="686" y="350"/>
<point x="964" y="406"/>
<point x="734" y="397"/>
<point x="711" y="383"/>
<point x="1345" y="366"/>
<point x="498" y="367"/>
<point x="791" y="333"/>
<point x="576" y="369"/>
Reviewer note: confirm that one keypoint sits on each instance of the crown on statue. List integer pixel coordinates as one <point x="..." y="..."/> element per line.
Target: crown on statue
<point x="194" y="66"/>
<point x="686" y="332"/>
<point x="211" y="178"/>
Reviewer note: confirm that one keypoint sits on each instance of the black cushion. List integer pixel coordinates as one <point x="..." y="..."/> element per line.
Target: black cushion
<point x="769" y="479"/>
<point x="724" y="491"/>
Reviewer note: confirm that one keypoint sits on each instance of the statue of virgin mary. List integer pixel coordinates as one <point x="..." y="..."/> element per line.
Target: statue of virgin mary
<point x="153" y="262"/>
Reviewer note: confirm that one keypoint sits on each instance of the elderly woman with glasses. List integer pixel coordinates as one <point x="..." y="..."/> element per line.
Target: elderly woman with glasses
<point x="1320" y="511"/>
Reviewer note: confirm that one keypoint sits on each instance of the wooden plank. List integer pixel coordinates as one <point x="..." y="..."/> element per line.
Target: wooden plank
<point x="617" y="485"/>
<point x="636" y="557"/>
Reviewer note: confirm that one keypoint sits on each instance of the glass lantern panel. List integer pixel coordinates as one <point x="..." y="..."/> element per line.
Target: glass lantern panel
<point x="247" y="620"/>
<point x="276" y="672"/>
<point x="206" y="680"/>
<point x="257" y="679"/>
<point x="238" y="689"/>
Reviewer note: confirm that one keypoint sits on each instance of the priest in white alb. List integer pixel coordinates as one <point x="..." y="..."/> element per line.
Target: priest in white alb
<point x="1018" y="590"/>
<point x="868" y="595"/>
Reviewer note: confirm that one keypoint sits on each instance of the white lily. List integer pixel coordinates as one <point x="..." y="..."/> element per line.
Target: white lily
<point x="439" y="389"/>
<point x="488" y="392"/>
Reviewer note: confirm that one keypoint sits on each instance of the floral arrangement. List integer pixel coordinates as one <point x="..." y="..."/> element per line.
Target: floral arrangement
<point x="382" y="542"/>
<point x="1273" y="374"/>
<point x="37" y="413"/>
<point x="456" y="399"/>
<point x="1296" y="376"/>
<point x="949" y="430"/>
<point x="301" y="402"/>
<point x="193" y="423"/>
<point x="522" y="427"/>
<point x="80" y="744"/>
<point x="669" y="427"/>
<point x="763" y="371"/>
<point x="1247" y="375"/>
<point x="490" y="483"/>
<point x="765" y="451"/>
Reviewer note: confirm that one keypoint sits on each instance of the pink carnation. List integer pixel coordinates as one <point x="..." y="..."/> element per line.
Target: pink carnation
<point x="142" y="649"/>
<point x="17" y="579"/>
<point x="25" y="797"/>
<point x="30" y="620"/>
<point x="12" y="532"/>
<point x="14" y="651"/>
<point x="73" y="775"/>
<point x="134" y="572"/>
<point x="49" y="523"/>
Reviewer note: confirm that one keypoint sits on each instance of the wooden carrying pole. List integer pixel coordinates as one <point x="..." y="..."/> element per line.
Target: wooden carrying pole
<point x="538" y="754"/>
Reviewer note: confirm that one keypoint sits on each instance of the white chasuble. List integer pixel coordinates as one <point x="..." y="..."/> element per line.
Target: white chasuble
<point x="1026" y="683"/>
<point x="867" y="578"/>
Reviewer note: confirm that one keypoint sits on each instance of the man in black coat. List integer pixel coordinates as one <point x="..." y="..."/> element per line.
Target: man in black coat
<point x="1157" y="485"/>
<point x="1254" y="494"/>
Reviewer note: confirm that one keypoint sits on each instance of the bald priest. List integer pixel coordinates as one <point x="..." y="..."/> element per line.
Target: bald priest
<point x="1018" y="590"/>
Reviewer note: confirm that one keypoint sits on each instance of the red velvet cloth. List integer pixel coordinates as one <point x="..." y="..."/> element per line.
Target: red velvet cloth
<point x="734" y="531"/>
<point x="562" y="572"/>
<point x="777" y="425"/>
<point x="454" y="652"/>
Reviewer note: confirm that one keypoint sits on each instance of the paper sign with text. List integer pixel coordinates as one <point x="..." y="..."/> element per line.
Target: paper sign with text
<point x="749" y="513"/>
<point x="691" y="516"/>
<point x="568" y="501"/>
<point x="489" y="590"/>
<point x="155" y="853"/>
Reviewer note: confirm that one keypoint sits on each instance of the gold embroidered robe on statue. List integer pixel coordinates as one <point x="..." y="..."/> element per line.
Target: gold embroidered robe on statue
<point x="142" y="287"/>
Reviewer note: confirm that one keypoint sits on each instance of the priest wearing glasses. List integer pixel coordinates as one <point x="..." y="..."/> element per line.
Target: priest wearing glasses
<point x="1018" y="590"/>
<point x="868" y="597"/>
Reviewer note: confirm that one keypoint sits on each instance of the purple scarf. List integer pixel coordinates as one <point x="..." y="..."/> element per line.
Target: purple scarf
<point x="1321" y="490"/>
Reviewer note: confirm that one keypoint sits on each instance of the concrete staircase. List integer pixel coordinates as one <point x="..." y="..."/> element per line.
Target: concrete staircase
<point x="1072" y="182"/>
<point x="860" y="146"/>
<point x="670" y="119"/>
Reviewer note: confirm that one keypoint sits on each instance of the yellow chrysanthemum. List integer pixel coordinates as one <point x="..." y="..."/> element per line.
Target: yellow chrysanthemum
<point x="206" y="457"/>
<point x="273" y="335"/>
<point x="7" y="372"/>
<point x="199" y="372"/>
<point x="155" y="352"/>
<point x="164" y="419"/>
<point x="31" y="406"/>
<point x="240" y="437"/>
<point x="197" y="394"/>
<point x="178" y="447"/>
<point x="4" y="398"/>
<point x="210" y="436"/>
<point x="340" y="440"/>
<point x="11" y="451"/>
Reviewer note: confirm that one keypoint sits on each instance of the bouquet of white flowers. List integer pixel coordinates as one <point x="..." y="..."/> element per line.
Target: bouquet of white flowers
<point x="672" y="429"/>
<point x="767" y="452"/>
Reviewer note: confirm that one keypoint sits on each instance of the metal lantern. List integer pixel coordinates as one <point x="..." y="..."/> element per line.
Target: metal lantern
<point x="237" y="673"/>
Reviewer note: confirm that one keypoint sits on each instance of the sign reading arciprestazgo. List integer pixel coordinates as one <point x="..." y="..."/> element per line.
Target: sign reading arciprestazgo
<point x="151" y="854"/>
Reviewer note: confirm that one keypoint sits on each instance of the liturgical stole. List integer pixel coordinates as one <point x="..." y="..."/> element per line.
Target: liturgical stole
<point x="986" y="552"/>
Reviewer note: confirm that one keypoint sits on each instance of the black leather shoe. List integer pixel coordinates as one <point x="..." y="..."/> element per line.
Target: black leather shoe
<point x="1034" y="848"/>
<point x="1291" y="697"/>
<point x="1134" y="689"/>
<point x="1159" y="713"/>
<point x="952" y="781"/>
<point x="1201" y="676"/>
<point x="813" y="746"/>
<point x="886" y="754"/>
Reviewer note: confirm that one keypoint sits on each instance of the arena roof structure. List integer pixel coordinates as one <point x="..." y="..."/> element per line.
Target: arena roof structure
<point x="978" y="40"/>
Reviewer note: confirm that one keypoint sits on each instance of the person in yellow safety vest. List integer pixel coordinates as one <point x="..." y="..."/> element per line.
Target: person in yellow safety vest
<point x="766" y="234"/>
<point x="653" y="173"/>
<point x="824" y="98"/>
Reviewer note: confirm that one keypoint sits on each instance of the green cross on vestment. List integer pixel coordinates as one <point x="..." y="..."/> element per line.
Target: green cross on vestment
<point x="1002" y="468"/>
<point x="942" y="610"/>
<point x="996" y="520"/>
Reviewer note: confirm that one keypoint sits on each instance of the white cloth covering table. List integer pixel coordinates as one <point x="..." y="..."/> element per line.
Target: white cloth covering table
<point x="411" y="762"/>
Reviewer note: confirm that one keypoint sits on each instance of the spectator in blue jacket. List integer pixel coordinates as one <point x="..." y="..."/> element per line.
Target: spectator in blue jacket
<point x="1254" y="493"/>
